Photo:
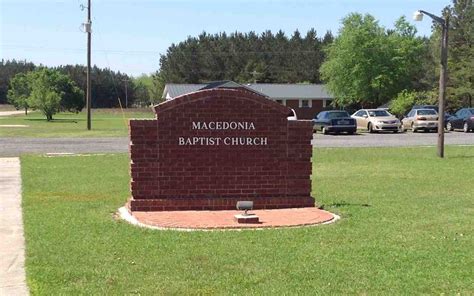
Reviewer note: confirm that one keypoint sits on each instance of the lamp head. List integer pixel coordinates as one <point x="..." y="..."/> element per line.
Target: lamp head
<point x="244" y="206"/>
<point x="418" y="16"/>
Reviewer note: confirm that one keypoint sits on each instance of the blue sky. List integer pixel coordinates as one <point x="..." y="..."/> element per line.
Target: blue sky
<point x="130" y="35"/>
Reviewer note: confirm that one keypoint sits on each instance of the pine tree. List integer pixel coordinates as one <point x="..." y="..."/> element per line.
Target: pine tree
<point x="461" y="54"/>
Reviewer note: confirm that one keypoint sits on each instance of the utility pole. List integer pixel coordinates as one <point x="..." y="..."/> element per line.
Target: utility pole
<point x="126" y="92"/>
<point x="418" y="16"/>
<point x="442" y="86"/>
<point x="254" y="74"/>
<point x="87" y="27"/>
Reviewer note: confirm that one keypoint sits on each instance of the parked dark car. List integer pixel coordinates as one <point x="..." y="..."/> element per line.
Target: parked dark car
<point x="334" y="121"/>
<point x="446" y="114"/>
<point x="462" y="119"/>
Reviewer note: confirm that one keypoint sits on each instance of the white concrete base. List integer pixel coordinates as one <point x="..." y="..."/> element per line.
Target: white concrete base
<point x="249" y="218"/>
<point x="127" y="216"/>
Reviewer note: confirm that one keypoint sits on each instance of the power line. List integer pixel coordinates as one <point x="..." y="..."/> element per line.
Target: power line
<point x="199" y="53"/>
<point x="113" y="76"/>
<point x="36" y="48"/>
<point x="149" y="52"/>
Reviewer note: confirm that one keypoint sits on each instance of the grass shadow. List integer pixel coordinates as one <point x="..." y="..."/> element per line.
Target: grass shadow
<point x="344" y="204"/>
<point x="55" y="120"/>
<point x="461" y="156"/>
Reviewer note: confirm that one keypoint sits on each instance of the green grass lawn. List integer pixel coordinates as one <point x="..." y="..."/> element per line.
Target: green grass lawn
<point x="406" y="229"/>
<point x="105" y="123"/>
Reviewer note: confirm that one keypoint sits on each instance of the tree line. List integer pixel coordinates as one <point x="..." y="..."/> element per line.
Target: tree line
<point x="107" y="86"/>
<point x="245" y="57"/>
<point x="365" y="65"/>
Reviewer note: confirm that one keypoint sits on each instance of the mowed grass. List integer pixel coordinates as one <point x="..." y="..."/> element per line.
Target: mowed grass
<point x="105" y="123"/>
<point x="406" y="229"/>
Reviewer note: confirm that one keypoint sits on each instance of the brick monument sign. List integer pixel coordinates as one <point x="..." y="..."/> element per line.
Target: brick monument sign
<point x="209" y="149"/>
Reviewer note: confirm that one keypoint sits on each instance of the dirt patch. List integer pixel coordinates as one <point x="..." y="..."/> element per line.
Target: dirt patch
<point x="14" y="125"/>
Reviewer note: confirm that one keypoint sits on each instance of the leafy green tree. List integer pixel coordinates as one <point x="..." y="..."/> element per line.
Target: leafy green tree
<point x="19" y="92"/>
<point x="8" y="69"/>
<point x="52" y="91"/>
<point x="428" y="73"/>
<point x="148" y="89"/>
<point x="405" y="57"/>
<point x="354" y="68"/>
<point x="460" y="80"/>
<point x="142" y="87"/>
<point x="406" y="99"/>
<point x="45" y="93"/>
<point x="158" y="86"/>
<point x="26" y="88"/>
<point x="367" y="65"/>
<point x="72" y="99"/>
<point x="461" y="54"/>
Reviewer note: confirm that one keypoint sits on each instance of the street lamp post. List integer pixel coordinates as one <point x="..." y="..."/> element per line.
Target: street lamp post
<point x="418" y="16"/>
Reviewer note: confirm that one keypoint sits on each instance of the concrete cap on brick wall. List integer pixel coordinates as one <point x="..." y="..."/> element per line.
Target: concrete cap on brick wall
<point x="221" y="93"/>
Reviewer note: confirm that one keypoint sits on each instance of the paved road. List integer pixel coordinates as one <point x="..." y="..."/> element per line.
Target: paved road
<point x="17" y="146"/>
<point x="8" y="113"/>
<point x="391" y="140"/>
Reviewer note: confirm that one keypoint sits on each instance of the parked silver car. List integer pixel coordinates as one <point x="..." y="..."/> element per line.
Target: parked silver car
<point x="376" y="120"/>
<point x="421" y="119"/>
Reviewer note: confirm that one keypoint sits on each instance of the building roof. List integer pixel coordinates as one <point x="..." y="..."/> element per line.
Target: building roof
<point x="385" y="106"/>
<point x="222" y="84"/>
<point x="231" y="84"/>
<point x="173" y="90"/>
<point x="291" y="91"/>
<point x="274" y="91"/>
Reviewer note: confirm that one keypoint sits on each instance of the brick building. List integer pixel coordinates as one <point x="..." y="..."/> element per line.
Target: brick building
<point x="306" y="99"/>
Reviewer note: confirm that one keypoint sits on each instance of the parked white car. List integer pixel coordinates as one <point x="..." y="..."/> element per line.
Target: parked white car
<point x="375" y="120"/>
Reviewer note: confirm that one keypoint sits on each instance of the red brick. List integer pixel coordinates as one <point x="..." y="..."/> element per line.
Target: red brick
<point x="210" y="177"/>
